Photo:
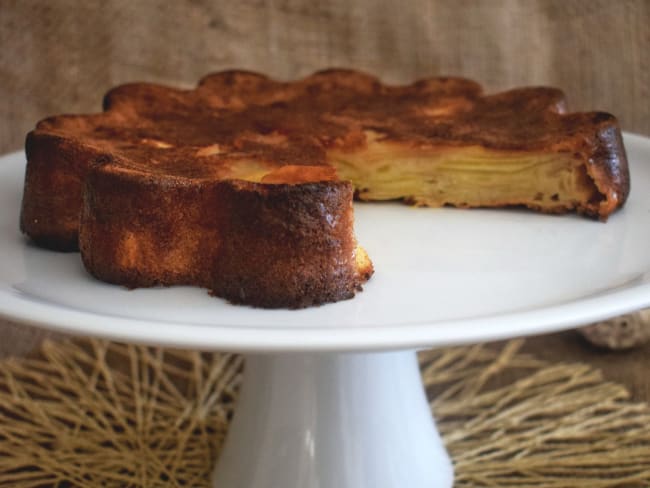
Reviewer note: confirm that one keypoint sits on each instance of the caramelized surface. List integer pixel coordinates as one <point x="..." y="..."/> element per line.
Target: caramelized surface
<point x="243" y="125"/>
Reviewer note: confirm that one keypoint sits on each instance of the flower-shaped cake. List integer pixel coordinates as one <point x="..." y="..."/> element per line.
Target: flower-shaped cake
<point x="244" y="185"/>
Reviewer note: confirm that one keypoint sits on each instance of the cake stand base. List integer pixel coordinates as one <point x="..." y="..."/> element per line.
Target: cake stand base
<point x="333" y="420"/>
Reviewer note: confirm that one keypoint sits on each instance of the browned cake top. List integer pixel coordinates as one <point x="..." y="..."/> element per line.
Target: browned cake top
<point x="236" y="124"/>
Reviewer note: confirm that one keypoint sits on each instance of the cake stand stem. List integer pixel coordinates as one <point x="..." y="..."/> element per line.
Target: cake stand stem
<point x="333" y="420"/>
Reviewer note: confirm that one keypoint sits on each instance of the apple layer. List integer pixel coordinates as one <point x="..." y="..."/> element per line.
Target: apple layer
<point x="467" y="177"/>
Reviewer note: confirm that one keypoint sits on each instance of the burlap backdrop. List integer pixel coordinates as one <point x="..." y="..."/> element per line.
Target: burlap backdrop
<point x="61" y="55"/>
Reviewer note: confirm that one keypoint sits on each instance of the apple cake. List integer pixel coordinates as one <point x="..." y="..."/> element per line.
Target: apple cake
<point x="244" y="185"/>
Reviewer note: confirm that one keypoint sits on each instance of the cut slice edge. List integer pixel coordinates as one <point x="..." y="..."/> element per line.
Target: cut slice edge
<point x="550" y="182"/>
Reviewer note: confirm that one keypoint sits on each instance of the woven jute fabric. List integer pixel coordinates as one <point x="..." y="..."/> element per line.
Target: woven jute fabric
<point x="60" y="56"/>
<point x="98" y="413"/>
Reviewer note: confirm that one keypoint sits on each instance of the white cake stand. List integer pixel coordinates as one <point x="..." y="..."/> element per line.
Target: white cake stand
<point x="332" y="396"/>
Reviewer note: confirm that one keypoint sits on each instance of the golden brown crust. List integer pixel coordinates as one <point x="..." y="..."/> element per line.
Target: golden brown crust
<point x="270" y="246"/>
<point x="171" y="157"/>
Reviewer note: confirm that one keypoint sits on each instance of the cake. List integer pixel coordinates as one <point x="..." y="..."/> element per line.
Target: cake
<point x="244" y="185"/>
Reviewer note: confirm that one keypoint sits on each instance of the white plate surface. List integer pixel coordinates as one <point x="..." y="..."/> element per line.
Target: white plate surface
<point x="443" y="276"/>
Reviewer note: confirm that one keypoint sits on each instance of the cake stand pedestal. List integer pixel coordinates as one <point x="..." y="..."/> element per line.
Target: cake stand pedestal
<point x="324" y="403"/>
<point x="337" y="420"/>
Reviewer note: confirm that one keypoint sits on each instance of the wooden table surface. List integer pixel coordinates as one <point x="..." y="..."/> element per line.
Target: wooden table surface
<point x="62" y="55"/>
